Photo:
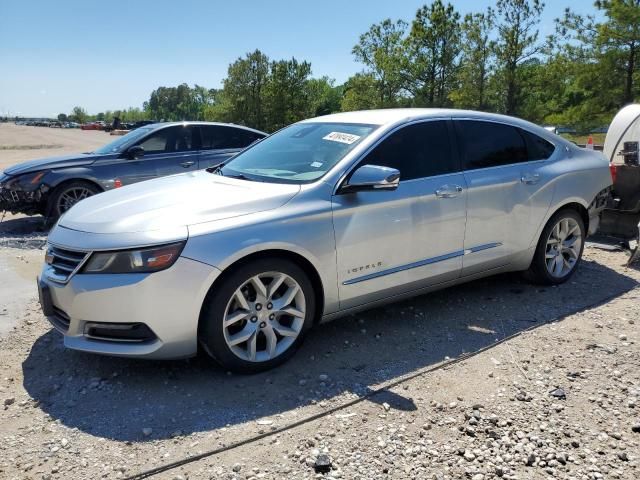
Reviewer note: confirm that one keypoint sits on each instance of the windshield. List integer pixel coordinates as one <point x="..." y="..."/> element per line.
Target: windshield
<point x="121" y="143"/>
<point x="300" y="153"/>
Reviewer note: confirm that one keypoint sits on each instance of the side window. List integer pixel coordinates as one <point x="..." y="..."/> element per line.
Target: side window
<point x="157" y="142"/>
<point x="220" y="137"/>
<point x="489" y="144"/>
<point x="418" y="151"/>
<point x="537" y="148"/>
<point x="172" y="139"/>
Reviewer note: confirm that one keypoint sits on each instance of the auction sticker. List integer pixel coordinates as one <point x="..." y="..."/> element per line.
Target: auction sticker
<point x="347" y="138"/>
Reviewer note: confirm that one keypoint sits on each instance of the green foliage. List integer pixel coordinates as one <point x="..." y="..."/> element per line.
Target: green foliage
<point x="177" y="103"/>
<point x="360" y="93"/>
<point x="287" y="93"/>
<point x="431" y="55"/>
<point x="477" y="61"/>
<point x="62" y="117"/>
<point x="492" y="60"/>
<point x="79" y="114"/>
<point x="381" y="50"/>
<point x="517" y="29"/>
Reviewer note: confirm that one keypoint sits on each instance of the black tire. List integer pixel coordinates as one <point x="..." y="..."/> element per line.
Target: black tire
<point x="538" y="272"/>
<point x="54" y="207"/>
<point x="211" y="333"/>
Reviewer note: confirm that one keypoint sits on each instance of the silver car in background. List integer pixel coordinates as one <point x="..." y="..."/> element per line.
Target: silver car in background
<point x="325" y="217"/>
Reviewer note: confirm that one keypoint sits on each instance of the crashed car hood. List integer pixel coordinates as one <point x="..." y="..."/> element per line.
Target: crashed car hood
<point x="76" y="159"/>
<point x="175" y="201"/>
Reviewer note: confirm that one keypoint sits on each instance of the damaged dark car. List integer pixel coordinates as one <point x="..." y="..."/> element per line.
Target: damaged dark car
<point x="51" y="186"/>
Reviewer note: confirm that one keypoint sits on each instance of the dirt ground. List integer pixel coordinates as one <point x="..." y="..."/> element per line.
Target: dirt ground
<point x="19" y="143"/>
<point x="494" y="379"/>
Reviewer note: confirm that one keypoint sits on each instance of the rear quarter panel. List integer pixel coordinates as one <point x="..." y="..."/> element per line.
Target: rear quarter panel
<point x="578" y="177"/>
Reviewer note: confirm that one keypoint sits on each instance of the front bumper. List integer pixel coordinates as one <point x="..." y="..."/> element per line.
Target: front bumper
<point x="21" y="201"/>
<point x="167" y="302"/>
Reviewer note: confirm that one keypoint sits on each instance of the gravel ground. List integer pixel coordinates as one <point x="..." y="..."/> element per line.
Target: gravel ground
<point x="456" y="384"/>
<point x="71" y="415"/>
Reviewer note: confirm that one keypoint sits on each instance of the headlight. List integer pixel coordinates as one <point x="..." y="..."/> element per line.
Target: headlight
<point x="144" y="260"/>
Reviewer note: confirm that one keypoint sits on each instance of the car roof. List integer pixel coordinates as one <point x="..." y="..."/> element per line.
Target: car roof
<point x="168" y="124"/>
<point x="391" y="116"/>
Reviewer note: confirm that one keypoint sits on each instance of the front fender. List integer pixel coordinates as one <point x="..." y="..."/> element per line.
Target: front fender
<point x="308" y="235"/>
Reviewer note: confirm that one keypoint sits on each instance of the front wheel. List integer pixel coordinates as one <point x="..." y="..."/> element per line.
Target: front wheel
<point x="257" y="317"/>
<point x="559" y="249"/>
<point x="67" y="195"/>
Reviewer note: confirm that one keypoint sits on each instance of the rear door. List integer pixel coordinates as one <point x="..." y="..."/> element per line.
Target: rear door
<point x="505" y="206"/>
<point x="390" y="242"/>
<point x="220" y="142"/>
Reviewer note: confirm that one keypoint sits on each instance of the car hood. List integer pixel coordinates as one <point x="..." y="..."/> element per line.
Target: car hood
<point x="74" y="160"/>
<point x="175" y="201"/>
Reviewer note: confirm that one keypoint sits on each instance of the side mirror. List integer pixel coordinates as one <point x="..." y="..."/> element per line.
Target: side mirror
<point x="372" y="177"/>
<point x="135" y="152"/>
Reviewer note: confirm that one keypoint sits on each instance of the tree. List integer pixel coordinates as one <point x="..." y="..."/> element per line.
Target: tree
<point x="477" y="61"/>
<point x="286" y="93"/>
<point x="614" y="42"/>
<point x="360" y="93"/>
<point x="242" y="97"/>
<point x="62" y="117"/>
<point x="381" y="51"/>
<point x="79" y="115"/>
<point x="324" y="96"/>
<point x="432" y="50"/>
<point x="178" y="103"/>
<point x="517" y="42"/>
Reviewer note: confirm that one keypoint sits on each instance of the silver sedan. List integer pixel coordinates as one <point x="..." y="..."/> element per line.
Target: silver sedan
<point x="323" y="218"/>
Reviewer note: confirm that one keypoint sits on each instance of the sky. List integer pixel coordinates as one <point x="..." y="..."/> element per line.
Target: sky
<point x="101" y="55"/>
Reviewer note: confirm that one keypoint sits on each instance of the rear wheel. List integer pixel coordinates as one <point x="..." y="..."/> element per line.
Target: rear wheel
<point x="257" y="317"/>
<point x="67" y="195"/>
<point x="559" y="249"/>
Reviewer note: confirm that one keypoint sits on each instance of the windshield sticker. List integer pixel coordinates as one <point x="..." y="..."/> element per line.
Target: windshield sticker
<point x="340" y="137"/>
<point x="316" y="164"/>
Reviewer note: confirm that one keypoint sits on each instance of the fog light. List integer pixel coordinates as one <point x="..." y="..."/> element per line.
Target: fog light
<point x="119" y="332"/>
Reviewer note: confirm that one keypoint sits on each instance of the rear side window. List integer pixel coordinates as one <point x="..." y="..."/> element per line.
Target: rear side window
<point x="537" y="148"/>
<point x="216" y="137"/>
<point x="418" y="151"/>
<point x="489" y="144"/>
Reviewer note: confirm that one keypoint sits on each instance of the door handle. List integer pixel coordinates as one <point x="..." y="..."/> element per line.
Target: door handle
<point x="448" y="191"/>
<point x="530" y="178"/>
<point x="188" y="163"/>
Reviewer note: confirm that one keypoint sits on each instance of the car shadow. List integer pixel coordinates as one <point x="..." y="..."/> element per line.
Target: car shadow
<point x="23" y="232"/>
<point x="118" y="398"/>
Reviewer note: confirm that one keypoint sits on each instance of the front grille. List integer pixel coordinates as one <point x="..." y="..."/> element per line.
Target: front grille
<point x="60" y="320"/>
<point x="64" y="262"/>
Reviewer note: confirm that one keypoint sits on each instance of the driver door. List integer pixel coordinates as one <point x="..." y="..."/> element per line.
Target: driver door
<point x="390" y="242"/>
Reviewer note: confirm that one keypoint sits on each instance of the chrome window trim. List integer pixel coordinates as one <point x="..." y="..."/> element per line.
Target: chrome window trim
<point x="422" y="263"/>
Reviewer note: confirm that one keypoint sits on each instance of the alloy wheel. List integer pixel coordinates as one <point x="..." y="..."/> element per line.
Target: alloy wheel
<point x="71" y="196"/>
<point x="563" y="247"/>
<point x="264" y="316"/>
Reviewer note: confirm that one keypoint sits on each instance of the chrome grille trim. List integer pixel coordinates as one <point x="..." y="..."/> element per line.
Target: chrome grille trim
<point x="63" y="263"/>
